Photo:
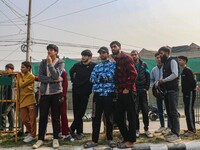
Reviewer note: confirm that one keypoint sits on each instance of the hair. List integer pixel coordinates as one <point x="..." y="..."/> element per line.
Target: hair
<point x="156" y="54"/>
<point x="134" y="51"/>
<point x="10" y="66"/>
<point x="115" y="42"/>
<point x="183" y="58"/>
<point x="86" y="52"/>
<point x="164" y="49"/>
<point x="27" y="64"/>
<point x="53" y="47"/>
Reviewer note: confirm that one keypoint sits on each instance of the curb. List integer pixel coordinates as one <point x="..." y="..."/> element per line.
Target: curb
<point x="191" y="145"/>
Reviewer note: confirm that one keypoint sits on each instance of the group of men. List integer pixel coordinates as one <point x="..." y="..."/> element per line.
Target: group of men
<point x="126" y="77"/>
<point x="120" y="84"/>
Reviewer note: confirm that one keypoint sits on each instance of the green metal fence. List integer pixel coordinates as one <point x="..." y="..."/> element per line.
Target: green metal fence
<point x="8" y="101"/>
<point x="197" y="102"/>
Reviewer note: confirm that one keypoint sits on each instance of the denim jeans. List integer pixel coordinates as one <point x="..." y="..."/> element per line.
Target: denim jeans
<point x="171" y="104"/>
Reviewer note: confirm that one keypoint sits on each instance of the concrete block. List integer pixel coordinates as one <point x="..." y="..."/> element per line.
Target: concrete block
<point x="176" y="146"/>
<point x="193" y="145"/>
<point x="142" y="146"/>
<point x="158" y="147"/>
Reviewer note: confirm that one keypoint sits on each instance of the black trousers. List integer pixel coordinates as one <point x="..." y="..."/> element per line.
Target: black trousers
<point x="142" y="104"/>
<point x="102" y="104"/>
<point x="125" y="105"/>
<point x="80" y="102"/>
<point x="46" y="102"/>
<point x="171" y="104"/>
<point x="189" y="99"/>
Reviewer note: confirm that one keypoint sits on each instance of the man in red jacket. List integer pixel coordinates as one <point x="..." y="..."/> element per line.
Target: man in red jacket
<point x="126" y="75"/>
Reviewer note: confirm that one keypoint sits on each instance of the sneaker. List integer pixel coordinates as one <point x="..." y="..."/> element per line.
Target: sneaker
<point x="55" y="143"/>
<point x="28" y="139"/>
<point x="168" y="134"/>
<point x="27" y="136"/>
<point x="173" y="138"/>
<point x="60" y="135"/>
<point x="137" y="133"/>
<point x="160" y="130"/>
<point x="148" y="134"/>
<point x="189" y="133"/>
<point x="38" y="144"/>
<point x="166" y="131"/>
<point x="68" y="138"/>
<point x="80" y="136"/>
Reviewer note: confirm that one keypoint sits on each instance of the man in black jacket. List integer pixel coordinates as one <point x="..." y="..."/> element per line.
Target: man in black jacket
<point x="81" y="90"/>
<point x="188" y="84"/>
<point x="170" y="81"/>
<point x="142" y="87"/>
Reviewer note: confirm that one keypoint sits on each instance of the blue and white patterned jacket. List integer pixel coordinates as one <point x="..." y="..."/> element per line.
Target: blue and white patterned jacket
<point x="102" y="78"/>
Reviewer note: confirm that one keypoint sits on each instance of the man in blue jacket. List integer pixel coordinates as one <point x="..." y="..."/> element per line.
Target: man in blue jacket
<point x="102" y="78"/>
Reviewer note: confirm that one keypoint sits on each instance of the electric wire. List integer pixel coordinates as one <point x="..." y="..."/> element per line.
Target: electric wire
<point x="45" y="9"/>
<point x="13" y="10"/>
<point x="75" y="12"/>
<point x="11" y="21"/>
<point x="10" y="54"/>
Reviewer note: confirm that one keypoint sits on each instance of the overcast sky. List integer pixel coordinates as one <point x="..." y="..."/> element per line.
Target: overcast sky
<point x="136" y="24"/>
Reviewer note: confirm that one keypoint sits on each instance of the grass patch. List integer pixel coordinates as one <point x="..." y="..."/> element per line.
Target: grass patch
<point x="8" y="140"/>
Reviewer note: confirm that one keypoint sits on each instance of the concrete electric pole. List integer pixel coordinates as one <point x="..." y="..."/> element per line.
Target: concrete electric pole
<point x="28" y="32"/>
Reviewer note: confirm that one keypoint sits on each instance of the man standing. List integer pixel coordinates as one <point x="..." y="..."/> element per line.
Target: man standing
<point x="142" y="86"/>
<point x="102" y="78"/>
<point x="50" y="89"/>
<point x="81" y="90"/>
<point x="170" y="81"/>
<point x="126" y="90"/>
<point x="156" y="75"/>
<point x="188" y="84"/>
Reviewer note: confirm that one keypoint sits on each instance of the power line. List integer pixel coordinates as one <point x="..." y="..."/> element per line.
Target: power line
<point x="4" y="36"/>
<point x="11" y="21"/>
<point x="2" y="25"/>
<point x="88" y="36"/>
<point x="13" y="10"/>
<point x="45" y="9"/>
<point x="13" y="60"/>
<point x="75" y="12"/>
<point x="17" y="6"/>
<point x="9" y="44"/>
<point x="10" y="53"/>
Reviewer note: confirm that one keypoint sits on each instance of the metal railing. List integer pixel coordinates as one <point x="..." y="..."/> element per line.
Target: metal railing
<point x="8" y="101"/>
<point x="197" y="102"/>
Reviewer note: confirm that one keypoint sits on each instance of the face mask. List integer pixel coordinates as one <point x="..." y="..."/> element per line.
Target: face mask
<point x="163" y="58"/>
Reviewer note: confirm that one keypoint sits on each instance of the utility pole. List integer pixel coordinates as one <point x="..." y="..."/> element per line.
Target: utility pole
<point x="28" y="32"/>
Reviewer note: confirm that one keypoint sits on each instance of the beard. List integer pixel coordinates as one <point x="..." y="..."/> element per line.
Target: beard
<point x="163" y="59"/>
<point x="115" y="52"/>
<point x="85" y="60"/>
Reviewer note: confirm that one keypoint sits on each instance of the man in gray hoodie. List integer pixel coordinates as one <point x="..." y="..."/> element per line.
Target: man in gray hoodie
<point x="50" y="89"/>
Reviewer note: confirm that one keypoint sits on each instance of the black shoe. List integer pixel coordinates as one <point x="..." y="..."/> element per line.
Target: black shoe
<point x="80" y="136"/>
